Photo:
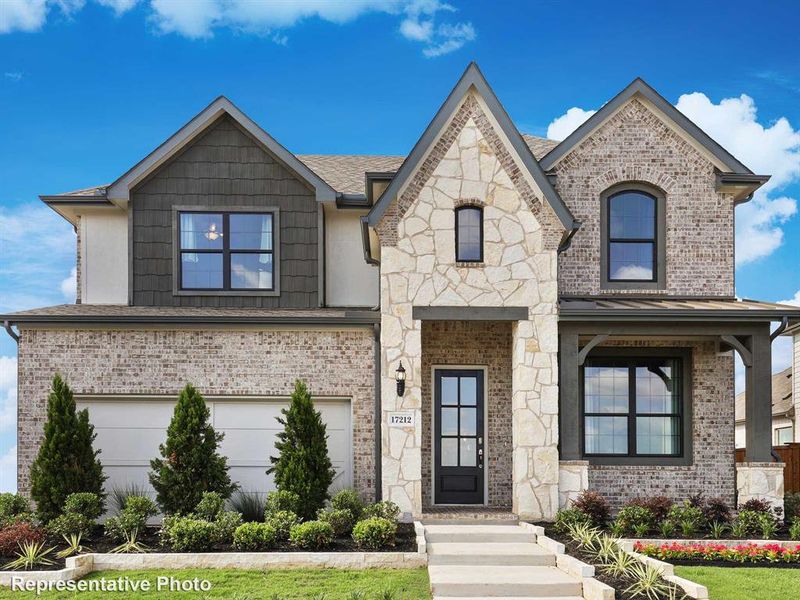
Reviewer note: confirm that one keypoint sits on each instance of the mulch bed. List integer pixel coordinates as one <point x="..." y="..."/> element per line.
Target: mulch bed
<point x="99" y="543"/>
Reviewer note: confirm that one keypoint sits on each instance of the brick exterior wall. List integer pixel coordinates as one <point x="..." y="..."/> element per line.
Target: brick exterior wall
<point x="230" y="362"/>
<point x="712" y="472"/>
<point x="472" y="343"/>
<point x="636" y="145"/>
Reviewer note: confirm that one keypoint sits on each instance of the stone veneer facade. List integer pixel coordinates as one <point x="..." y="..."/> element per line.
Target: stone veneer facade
<point x="636" y="145"/>
<point x="474" y="343"/>
<point x="712" y="472"/>
<point x="266" y="362"/>
<point x="470" y="163"/>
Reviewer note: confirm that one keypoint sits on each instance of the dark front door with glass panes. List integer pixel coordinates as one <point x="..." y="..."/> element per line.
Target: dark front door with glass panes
<point x="458" y="436"/>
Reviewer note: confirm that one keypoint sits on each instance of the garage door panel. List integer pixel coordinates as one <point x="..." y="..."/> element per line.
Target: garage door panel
<point x="155" y="414"/>
<point x="233" y="415"/>
<point x="249" y="445"/>
<point x="129" y="446"/>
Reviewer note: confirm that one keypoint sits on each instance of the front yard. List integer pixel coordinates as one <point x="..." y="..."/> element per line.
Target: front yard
<point x="276" y="584"/>
<point x="746" y="583"/>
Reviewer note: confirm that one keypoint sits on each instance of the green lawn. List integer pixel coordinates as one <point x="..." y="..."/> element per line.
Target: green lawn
<point x="726" y="583"/>
<point x="283" y="584"/>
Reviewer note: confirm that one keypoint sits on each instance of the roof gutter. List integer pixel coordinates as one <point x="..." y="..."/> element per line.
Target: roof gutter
<point x="781" y="328"/>
<point x="350" y="318"/>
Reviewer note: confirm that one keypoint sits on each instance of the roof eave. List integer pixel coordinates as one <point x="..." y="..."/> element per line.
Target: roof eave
<point x="741" y="185"/>
<point x="70" y="207"/>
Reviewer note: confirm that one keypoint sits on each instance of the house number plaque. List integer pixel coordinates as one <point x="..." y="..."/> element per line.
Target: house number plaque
<point x="401" y="419"/>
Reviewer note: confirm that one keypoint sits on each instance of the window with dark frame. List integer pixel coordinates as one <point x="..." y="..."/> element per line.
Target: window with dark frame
<point x="226" y="251"/>
<point x="631" y="237"/>
<point x="469" y="234"/>
<point x="632" y="407"/>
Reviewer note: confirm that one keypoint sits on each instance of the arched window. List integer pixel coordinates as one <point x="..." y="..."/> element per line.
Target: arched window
<point x="469" y="234"/>
<point x="633" y="244"/>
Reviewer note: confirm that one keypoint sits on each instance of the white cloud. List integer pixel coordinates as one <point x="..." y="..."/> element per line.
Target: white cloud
<point x="562" y="126"/>
<point x="13" y="75"/>
<point x="792" y="301"/>
<point x="772" y="149"/>
<point x="8" y="470"/>
<point x="450" y="38"/>
<point x="419" y="25"/>
<point x="118" y="6"/>
<point x="69" y="286"/>
<point x="8" y="393"/>
<point x="22" y="15"/>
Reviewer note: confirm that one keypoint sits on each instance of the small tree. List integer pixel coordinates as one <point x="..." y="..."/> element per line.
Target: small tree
<point x="189" y="463"/>
<point x="302" y="465"/>
<point x="67" y="462"/>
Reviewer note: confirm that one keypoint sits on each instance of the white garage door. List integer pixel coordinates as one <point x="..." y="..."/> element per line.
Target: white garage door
<point x="129" y="432"/>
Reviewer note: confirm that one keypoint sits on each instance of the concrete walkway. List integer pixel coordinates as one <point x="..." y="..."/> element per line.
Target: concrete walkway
<point x="500" y="561"/>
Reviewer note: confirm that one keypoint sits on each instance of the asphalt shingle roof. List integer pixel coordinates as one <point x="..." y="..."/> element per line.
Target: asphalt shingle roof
<point x="781" y="395"/>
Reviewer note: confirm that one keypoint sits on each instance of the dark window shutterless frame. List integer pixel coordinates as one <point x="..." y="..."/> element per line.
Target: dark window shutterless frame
<point x="226" y="251"/>
<point x="657" y="240"/>
<point x="461" y="213"/>
<point x="631" y="359"/>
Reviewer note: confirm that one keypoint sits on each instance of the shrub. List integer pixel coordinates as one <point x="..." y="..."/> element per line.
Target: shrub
<point x="659" y="506"/>
<point x="688" y="517"/>
<point x="188" y="534"/>
<point x="84" y="503"/>
<point x="14" y="508"/>
<point x="341" y="520"/>
<point x="16" y="534"/>
<point x="716" y="510"/>
<point x="70" y="524"/>
<point x="248" y="504"/>
<point x="666" y="528"/>
<point x="348" y="500"/>
<point x="748" y="522"/>
<point x="756" y="505"/>
<point x="67" y="461"/>
<point x="282" y="522"/>
<point x="312" y="535"/>
<point x="303" y="465"/>
<point x="567" y="517"/>
<point x="131" y="519"/>
<point x="767" y="525"/>
<point x="634" y="518"/>
<point x="794" y="529"/>
<point x="210" y="505"/>
<point x="282" y="500"/>
<point x="791" y="506"/>
<point x="141" y="506"/>
<point x="225" y="524"/>
<point x="254" y="537"/>
<point x="375" y="533"/>
<point x="120" y="495"/>
<point x="189" y="464"/>
<point x="386" y="509"/>
<point x="594" y="505"/>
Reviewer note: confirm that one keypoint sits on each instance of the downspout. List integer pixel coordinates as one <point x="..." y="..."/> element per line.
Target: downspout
<point x="378" y="418"/>
<point x="781" y="328"/>
<point x="10" y="330"/>
<point x="566" y="240"/>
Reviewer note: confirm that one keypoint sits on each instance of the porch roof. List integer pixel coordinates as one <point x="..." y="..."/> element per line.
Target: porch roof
<point x="636" y="308"/>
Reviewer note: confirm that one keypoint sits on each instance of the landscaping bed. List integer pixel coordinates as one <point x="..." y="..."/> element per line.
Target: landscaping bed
<point x="722" y="555"/>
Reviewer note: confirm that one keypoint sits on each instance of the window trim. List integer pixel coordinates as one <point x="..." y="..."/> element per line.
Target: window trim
<point x="456" y="212"/>
<point x="659" y="281"/>
<point x="777" y="435"/>
<point x="685" y="457"/>
<point x="177" y="290"/>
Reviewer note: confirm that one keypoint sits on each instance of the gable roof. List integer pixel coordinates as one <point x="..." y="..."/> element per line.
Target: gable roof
<point x="472" y="78"/>
<point x="639" y="87"/>
<point x="119" y="191"/>
<point x="782" y="403"/>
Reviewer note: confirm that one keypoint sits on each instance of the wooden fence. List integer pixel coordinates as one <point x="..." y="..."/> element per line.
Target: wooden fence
<point x="789" y="455"/>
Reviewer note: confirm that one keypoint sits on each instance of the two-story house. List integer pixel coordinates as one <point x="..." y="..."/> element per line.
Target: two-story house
<point x="495" y="321"/>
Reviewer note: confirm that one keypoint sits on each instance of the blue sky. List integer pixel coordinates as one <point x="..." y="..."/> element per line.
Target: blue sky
<point x="89" y="87"/>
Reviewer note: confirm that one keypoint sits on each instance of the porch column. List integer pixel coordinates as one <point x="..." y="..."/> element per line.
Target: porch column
<point x="758" y="399"/>
<point x="569" y="400"/>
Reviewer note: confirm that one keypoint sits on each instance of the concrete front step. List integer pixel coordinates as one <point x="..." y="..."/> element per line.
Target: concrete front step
<point x="496" y="581"/>
<point x="478" y="534"/>
<point x="492" y="553"/>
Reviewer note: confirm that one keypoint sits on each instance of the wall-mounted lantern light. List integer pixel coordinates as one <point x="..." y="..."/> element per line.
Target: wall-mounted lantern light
<point x="400" y="378"/>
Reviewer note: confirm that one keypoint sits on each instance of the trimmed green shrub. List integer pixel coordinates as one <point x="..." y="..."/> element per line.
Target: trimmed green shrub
<point x="84" y="503"/>
<point x="794" y="529"/>
<point x="119" y="495"/>
<point x="254" y="537"/>
<point x="375" y="533"/>
<point x="348" y="500"/>
<point x="386" y="509"/>
<point x="303" y="465"/>
<point x="748" y="522"/>
<point x="341" y="520"/>
<point x="138" y="509"/>
<point x="566" y="517"/>
<point x="282" y="522"/>
<point x="14" y="508"/>
<point x="189" y="464"/>
<point x="633" y="518"/>
<point x="688" y="517"/>
<point x="282" y="500"/>
<point x="312" y="535"/>
<point x="67" y="461"/>
<point x="225" y="524"/>
<point x="141" y="506"/>
<point x="70" y="524"/>
<point x="188" y="534"/>
<point x="594" y="505"/>
<point x="791" y="506"/>
<point x="210" y="505"/>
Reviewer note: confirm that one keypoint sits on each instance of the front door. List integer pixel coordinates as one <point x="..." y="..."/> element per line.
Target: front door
<point x="458" y="436"/>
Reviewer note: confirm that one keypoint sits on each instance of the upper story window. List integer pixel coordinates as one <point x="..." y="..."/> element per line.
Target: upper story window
<point x="469" y="234"/>
<point x="226" y="251"/>
<point x="633" y="239"/>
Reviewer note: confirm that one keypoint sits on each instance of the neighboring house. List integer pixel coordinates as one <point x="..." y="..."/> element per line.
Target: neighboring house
<point x="784" y="413"/>
<point x="563" y="313"/>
